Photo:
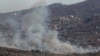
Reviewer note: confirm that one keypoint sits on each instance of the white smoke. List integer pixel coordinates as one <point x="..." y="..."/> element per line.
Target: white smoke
<point x="37" y="35"/>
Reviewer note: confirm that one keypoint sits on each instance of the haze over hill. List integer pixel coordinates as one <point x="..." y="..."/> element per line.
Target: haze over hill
<point x="77" y="23"/>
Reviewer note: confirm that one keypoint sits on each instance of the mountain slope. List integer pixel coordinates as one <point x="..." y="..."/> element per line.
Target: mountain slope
<point x="80" y="9"/>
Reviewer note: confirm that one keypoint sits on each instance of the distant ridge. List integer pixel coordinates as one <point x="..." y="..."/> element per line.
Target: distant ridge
<point x="80" y="9"/>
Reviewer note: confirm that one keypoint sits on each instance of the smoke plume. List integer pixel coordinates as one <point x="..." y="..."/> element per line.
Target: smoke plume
<point x="30" y="32"/>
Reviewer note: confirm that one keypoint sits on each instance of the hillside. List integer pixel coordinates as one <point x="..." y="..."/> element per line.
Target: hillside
<point x="82" y="9"/>
<point x="78" y="23"/>
<point x="15" y="52"/>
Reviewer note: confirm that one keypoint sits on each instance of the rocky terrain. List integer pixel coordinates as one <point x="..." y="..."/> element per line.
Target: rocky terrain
<point x="78" y="23"/>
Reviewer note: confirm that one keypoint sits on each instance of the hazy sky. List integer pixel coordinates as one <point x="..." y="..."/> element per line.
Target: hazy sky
<point x="64" y="1"/>
<point x="15" y="5"/>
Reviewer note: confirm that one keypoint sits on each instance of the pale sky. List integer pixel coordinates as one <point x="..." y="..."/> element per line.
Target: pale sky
<point x="16" y="5"/>
<point x="63" y="1"/>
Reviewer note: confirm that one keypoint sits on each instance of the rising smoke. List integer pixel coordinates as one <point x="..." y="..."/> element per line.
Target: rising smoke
<point x="30" y="32"/>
